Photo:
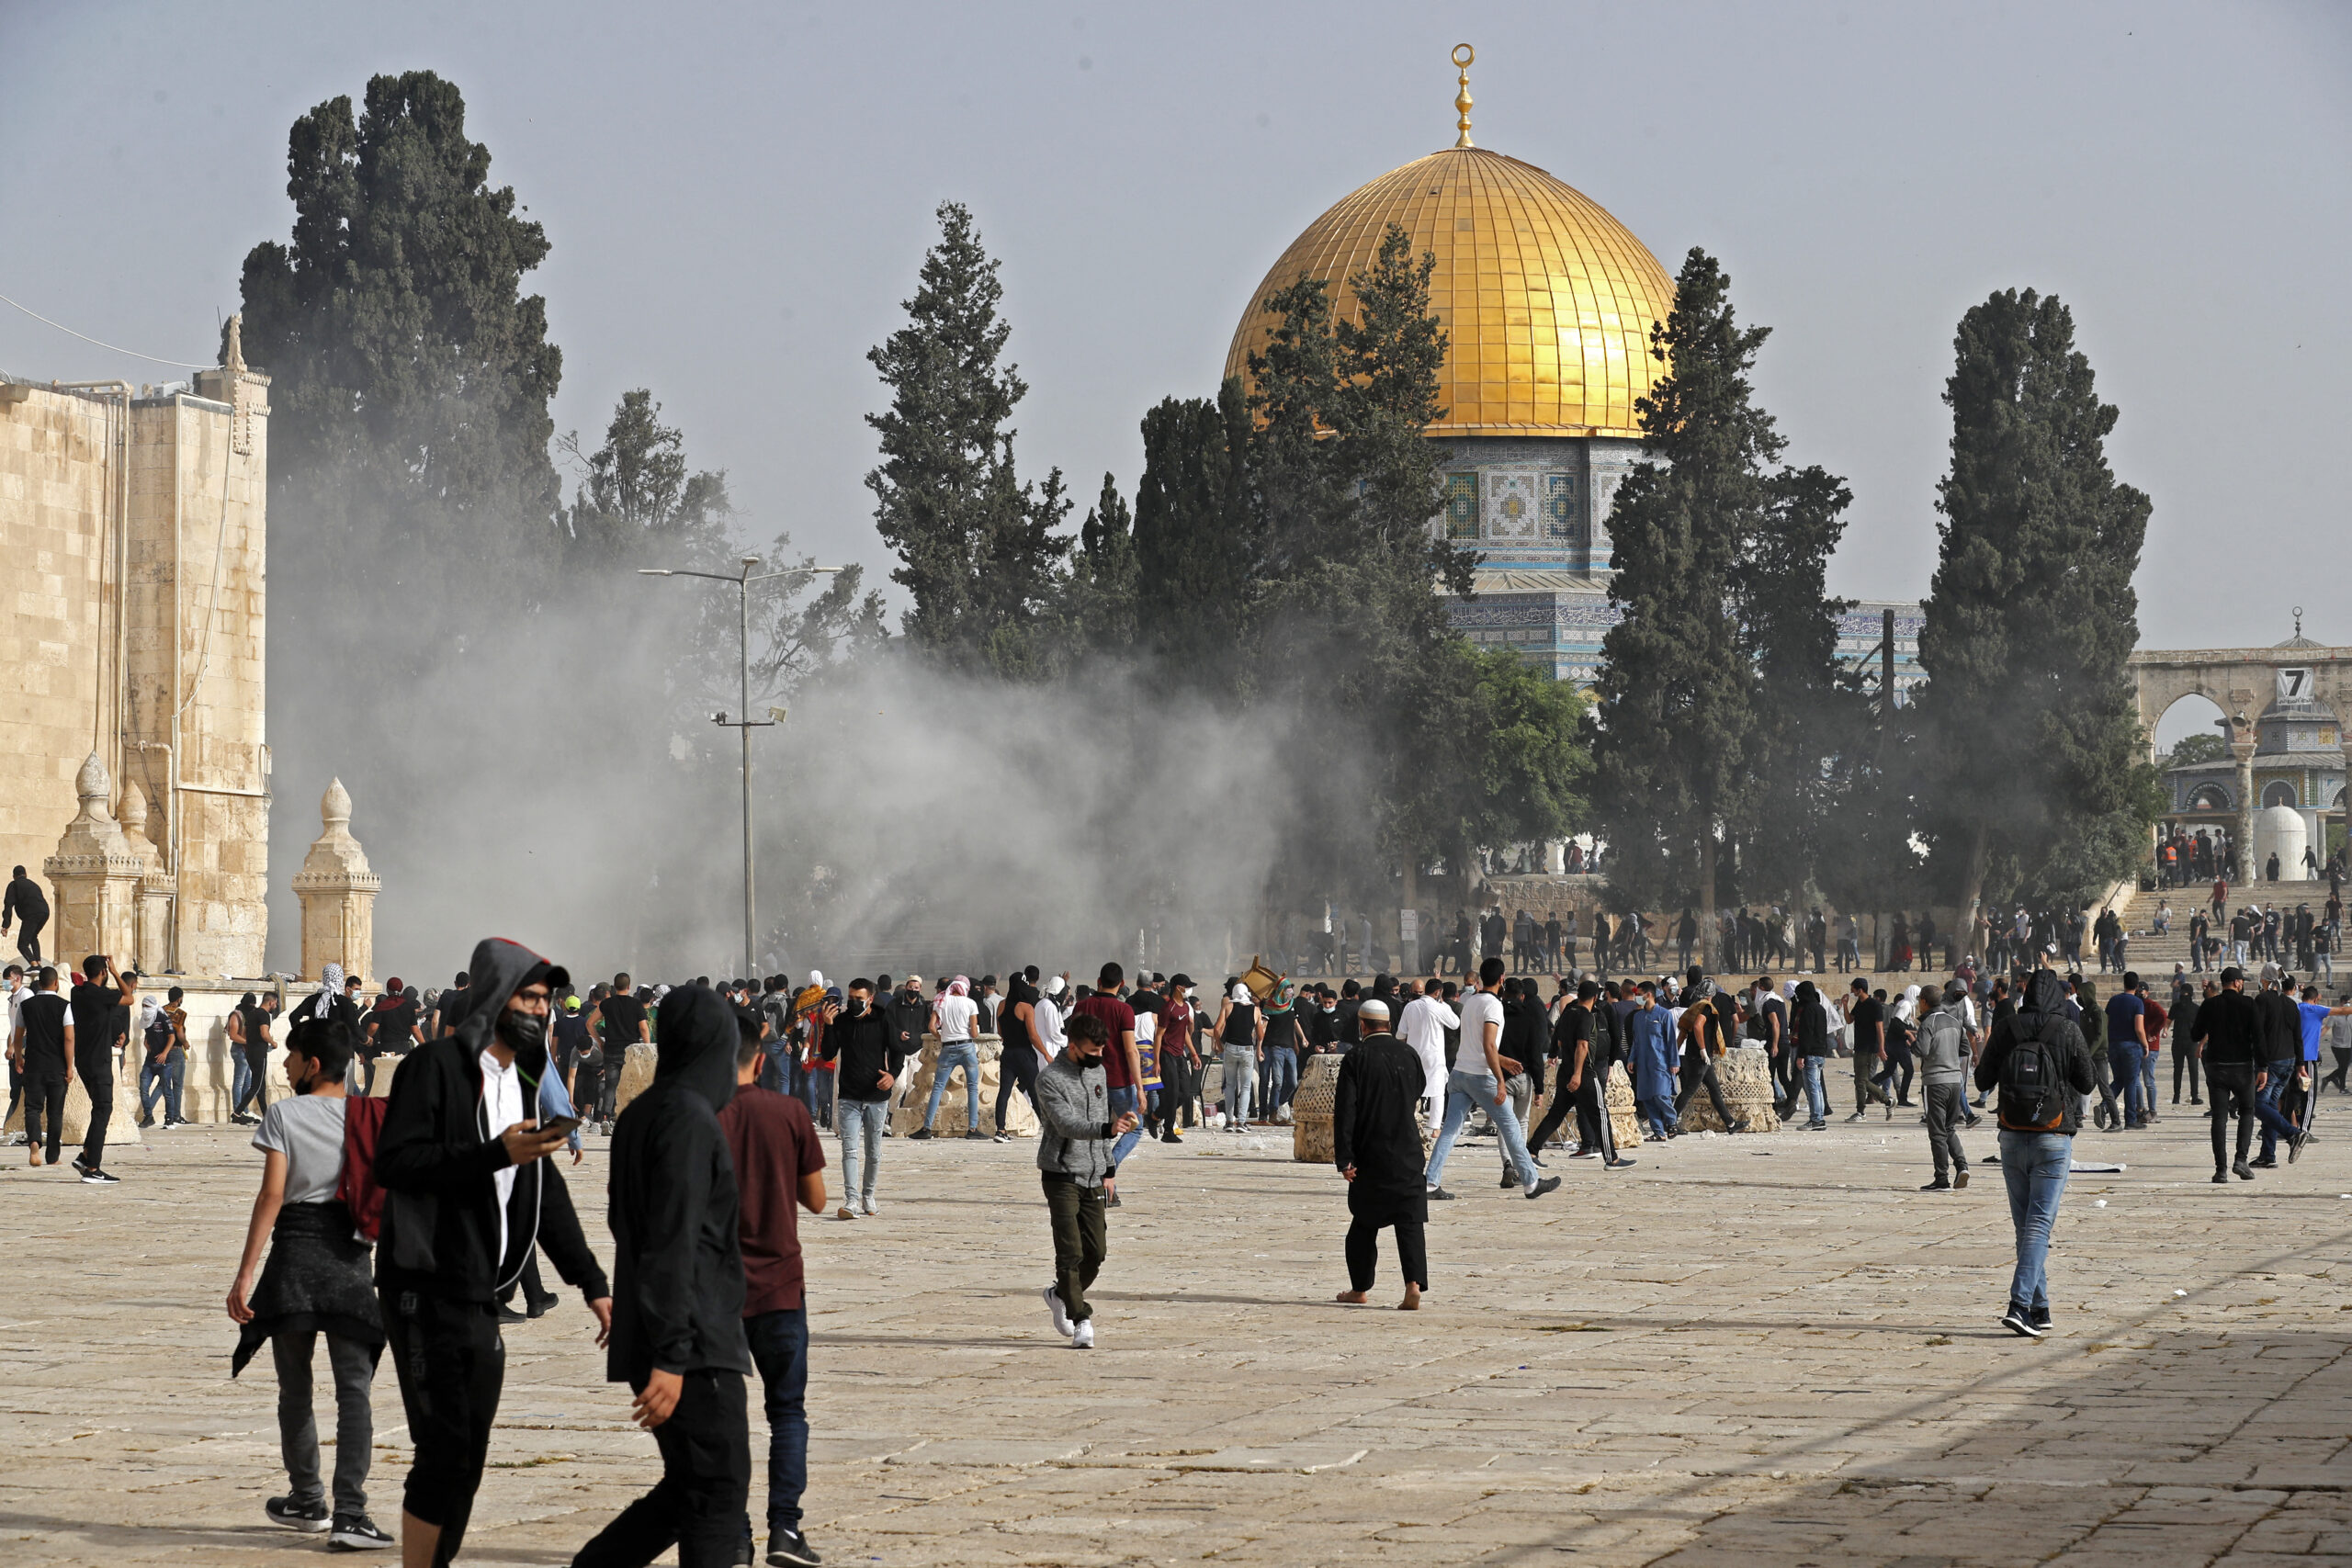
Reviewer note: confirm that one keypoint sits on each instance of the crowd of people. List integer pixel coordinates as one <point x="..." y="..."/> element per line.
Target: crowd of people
<point x="414" y="1221"/>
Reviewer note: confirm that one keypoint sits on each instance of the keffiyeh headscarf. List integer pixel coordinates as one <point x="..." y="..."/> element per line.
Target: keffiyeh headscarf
<point x="1241" y="994"/>
<point x="329" y="988"/>
<point x="959" y="987"/>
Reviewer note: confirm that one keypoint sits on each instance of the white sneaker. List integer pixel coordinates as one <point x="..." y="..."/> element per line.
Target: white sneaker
<point x="1061" y="1313"/>
<point x="1082" y="1336"/>
<point x="867" y="1206"/>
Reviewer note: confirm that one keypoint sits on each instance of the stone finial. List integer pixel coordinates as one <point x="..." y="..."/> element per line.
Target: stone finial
<point x="96" y="872"/>
<point x="338" y="893"/>
<point x="233" y="361"/>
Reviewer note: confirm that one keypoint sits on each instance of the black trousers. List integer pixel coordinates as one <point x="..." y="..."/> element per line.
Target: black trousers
<point x="45" y="1111"/>
<point x="1363" y="1244"/>
<point x="452" y="1367"/>
<point x="2185" y="1060"/>
<point x="1016" y="1064"/>
<point x="29" y="942"/>
<point x="697" y="1507"/>
<point x="2231" y="1090"/>
<point x="1082" y="1239"/>
<point x="95" y="1069"/>
<point x="1556" y="1111"/>
<point x="1698" y="1073"/>
<point x="1592" y="1114"/>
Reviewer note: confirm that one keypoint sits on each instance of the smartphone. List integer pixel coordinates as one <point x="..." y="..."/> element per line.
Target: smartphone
<point x="559" y="1124"/>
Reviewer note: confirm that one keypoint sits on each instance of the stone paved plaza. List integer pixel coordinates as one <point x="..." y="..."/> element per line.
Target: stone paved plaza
<point x="1760" y="1350"/>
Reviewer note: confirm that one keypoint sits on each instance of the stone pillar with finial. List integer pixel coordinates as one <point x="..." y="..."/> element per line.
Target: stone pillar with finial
<point x="154" y="927"/>
<point x="97" y="873"/>
<point x="338" y="893"/>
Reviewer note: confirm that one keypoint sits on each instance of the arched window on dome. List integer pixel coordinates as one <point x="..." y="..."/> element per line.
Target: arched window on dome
<point x="2279" y="791"/>
<point x="2209" y="797"/>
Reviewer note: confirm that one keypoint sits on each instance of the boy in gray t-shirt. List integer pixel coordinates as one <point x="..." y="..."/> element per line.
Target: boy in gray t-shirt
<point x="317" y="1281"/>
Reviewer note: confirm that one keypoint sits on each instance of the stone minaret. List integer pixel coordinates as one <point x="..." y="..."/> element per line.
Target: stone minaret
<point x="338" y="893"/>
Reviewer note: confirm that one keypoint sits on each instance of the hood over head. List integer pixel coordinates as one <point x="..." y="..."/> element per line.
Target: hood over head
<point x="500" y="968"/>
<point x="697" y="1051"/>
<point x="2044" y="992"/>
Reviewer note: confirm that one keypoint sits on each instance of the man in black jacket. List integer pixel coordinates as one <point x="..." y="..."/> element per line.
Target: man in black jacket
<point x="2036" y="1134"/>
<point x="2229" y="1042"/>
<point x="862" y="1041"/>
<point x="677" y="1337"/>
<point x="2282" y="1053"/>
<point x="467" y="1194"/>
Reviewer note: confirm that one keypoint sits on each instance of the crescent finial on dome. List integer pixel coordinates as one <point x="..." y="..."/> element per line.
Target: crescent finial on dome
<point x="1463" y="57"/>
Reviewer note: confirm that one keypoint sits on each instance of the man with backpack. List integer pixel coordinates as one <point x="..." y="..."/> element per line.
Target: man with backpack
<point x="1943" y="1073"/>
<point x="2041" y="1065"/>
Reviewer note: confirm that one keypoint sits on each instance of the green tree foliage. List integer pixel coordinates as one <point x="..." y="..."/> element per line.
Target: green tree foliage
<point x="976" y="546"/>
<point x="1196" y="537"/>
<point x="2032" y="774"/>
<point x="1680" y="742"/>
<point x="637" y="499"/>
<point x="2200" y="747"/>
<point x="1099" y="593"/>
<point x="409" y="373"/>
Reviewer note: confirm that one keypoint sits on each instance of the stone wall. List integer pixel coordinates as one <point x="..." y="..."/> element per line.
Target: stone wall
<point x="132" y="537"/>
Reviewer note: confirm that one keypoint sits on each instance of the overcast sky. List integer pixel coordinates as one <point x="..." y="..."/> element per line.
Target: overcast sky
<point x="738" y="196"/>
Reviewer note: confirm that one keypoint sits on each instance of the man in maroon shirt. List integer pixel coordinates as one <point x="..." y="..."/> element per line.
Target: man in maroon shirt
<point x="777" y="1159"/>
<point x="1121" y="1064"/>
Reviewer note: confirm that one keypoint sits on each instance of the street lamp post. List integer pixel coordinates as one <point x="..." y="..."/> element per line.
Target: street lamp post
<point x="744" y="721"/>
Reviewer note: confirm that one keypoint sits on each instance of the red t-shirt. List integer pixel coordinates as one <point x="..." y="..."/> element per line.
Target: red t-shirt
<point x="773" y="1144"/>
<point x="1119" y="1020"/>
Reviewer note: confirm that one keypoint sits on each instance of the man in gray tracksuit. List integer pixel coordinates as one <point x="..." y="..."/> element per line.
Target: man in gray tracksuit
<point x="1943" y="1070"/>
<point x="1075" y="1131"/>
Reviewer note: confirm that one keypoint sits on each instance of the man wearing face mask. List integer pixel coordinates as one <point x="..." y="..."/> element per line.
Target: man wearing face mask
<point x="1075" y="1131"/>
<point x="467" y="1194"/>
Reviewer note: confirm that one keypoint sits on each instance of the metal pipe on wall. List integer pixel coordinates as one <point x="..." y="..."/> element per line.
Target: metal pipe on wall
<point x="118" y="396"/>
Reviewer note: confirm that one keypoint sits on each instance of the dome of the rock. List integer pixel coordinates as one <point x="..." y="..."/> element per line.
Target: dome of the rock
<point x="1546" y="299"/>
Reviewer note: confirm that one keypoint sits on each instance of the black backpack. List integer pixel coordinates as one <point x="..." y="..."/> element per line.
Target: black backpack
<point x="2033" y="1077"/>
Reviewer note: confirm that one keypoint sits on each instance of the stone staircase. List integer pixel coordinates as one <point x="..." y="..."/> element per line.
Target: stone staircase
<point x="2151" y="955"/>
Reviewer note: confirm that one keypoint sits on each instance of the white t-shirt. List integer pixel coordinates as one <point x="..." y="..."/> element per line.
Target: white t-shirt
<point x="1478" y="1009"/>
<point x="956" y="1015"/>
<point x="501" y="1101"/>
<point x="1046" y="1021"/>
<point x="308" y="1130"/>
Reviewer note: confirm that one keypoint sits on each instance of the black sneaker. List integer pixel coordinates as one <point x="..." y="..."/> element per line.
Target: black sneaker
<point x="2270" y="1164"/>
<point x="919" y="1133"/>
<point x="975" y="1134"/>
<point x="2295" y="1146"/>
<point x="1938" y="1185"/>
<point x="2221" y="1178"/>
<point x="542" y="1305"/>
<point x="2016" y="1321"/>
<point x="357" y="1532"/>
<point x="1546" y="1185"/>
<point x="1510" y="1181"/>
<point x="308" y="1517"/>
<point x="2244" y="1172"/>
<point x="1170" y="1137"/>
<point x="1438" y="1194"/>
<point x="93" y="1177"/>
<point x="508" y="1314"/>
<point x="792" y="1547"/>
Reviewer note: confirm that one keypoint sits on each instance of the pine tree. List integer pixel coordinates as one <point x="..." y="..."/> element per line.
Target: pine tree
<point x="976" y="546"/>
<point x="1099" y="596"/>
<point x="1679" y="741"/>
<point x="2032" y="764"/>
<point x="638" y="496"/>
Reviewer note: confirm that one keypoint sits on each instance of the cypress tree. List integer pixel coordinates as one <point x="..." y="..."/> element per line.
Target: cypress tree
<point x="976" y="546"/>
<point x="2032" y="764"/>
<point x="1677" y="739"/>
<point x="1196" y="547"/>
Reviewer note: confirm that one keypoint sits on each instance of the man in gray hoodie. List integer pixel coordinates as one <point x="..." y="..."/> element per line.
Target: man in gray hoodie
<point x="1943" y="1071"/>
<point x="1075" y="1133"/>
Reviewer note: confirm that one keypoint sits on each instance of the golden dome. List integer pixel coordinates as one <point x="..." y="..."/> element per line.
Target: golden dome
<point x="1546" y="299"/>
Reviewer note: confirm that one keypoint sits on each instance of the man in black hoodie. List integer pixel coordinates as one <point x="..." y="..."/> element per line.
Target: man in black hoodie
<point x="677" y="1337"/>
<point x="467" y="1194"/>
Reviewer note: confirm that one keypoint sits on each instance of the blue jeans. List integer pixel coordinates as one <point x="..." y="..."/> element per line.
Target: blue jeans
<point x="862" y="1122"/>
<point x="1461" y="1089"/>
<point x="241" y="1078"/>
<point x="2034" y="1166"/>
<point x="2127" y="1057"/>
<point x="1817" y="1094"/>
<point x="161" y="1081"/>
<point x="1278" y="1078"/>
<point x="779" y="1343"/>
<point x="955" y="1054"/>
<point x="1122" y="1102"/>
<point x="2275" y="1124"/>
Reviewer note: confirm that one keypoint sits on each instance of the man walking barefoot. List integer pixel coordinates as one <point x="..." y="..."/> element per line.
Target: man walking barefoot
<point x="1377" y="1144"/>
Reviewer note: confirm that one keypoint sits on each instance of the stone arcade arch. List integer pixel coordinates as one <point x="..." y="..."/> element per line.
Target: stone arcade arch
<point x="2242" y="683"/>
